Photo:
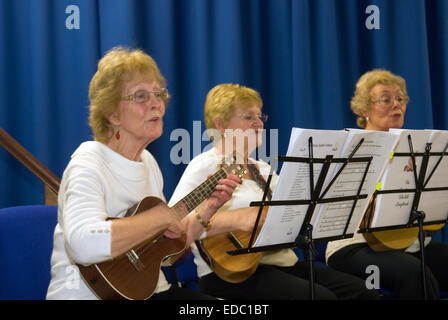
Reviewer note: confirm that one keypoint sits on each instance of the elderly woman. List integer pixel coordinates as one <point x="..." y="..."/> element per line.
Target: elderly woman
<point x="380" y="101"/>
<point x="107" y="176"/>
<point x="233" y="114"/>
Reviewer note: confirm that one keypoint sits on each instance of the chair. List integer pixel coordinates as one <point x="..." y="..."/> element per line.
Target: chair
<point x="26" y="243"/>
<point x="319" y="259"/>
<point x="187" y="273"/>
<point x="183" y="273"/>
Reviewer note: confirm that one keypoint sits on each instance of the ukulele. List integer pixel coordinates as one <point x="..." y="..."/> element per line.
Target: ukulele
<point x="134" y="275"/>
<point x="397" y="239"/>
<point x="236" y="268"/>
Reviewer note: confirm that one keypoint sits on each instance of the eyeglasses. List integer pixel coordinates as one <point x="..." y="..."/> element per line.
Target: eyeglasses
<point x="254" y="117"/>
<point x="387" y="100"/>
<point x="141" y="96"/>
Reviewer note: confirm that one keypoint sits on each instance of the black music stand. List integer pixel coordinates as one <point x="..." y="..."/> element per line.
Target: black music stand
<point x="416" y="217"/>
<point x="304" y="240"/>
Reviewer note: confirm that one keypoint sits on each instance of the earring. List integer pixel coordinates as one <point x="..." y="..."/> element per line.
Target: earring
<point x="117" y="135"/>
<point x="367" y="118"/>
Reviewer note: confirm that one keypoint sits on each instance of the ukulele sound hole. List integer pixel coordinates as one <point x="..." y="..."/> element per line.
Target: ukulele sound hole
<point x="234" y="240"/>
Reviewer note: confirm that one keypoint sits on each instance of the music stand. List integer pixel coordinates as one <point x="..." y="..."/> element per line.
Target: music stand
<point x="416" y="217"/>
<point x="305" y="240"/>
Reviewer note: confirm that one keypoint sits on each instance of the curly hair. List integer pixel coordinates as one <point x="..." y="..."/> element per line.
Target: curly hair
<point x="361" y="100"/>
<point x="118" y="66"/>
<point x="223" y="99"/>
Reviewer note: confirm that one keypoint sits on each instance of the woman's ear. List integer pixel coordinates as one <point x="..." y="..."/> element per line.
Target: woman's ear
<point x="219" y="125"/>
<point x="114" y="119"/>
<point x="364" y="113"/>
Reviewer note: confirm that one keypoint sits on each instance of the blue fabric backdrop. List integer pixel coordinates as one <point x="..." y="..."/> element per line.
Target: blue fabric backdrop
<point x="303" y="56"/>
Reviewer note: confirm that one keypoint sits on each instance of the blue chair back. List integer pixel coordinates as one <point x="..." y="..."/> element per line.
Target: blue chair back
<point x="183" y="272"/>
<point x="320" y="247"/>
<point x="187" y="272"/>
<point x="442" y="234"/>
<point x="26" y="243"/>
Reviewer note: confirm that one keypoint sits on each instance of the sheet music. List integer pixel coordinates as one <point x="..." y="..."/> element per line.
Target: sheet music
<point x="332" y="217"/>
<point x="435" y="203"/>
<point x="394" y="209"/>
<point x="283" y="223"/>
<point x="438" y="140"/>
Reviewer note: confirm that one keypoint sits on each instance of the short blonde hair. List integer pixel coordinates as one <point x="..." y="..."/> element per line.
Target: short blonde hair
<point x="361" y="101"/>
<point x="118" y="66"/>
<point x="223" y="99"/>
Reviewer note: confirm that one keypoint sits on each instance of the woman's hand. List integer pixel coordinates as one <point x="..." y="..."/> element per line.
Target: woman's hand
<point x="177" y="225"/>
<point x="223" y="192"/>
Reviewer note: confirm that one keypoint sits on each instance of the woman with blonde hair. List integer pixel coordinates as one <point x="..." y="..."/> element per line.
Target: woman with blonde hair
<point x="372" y="99"/>
<point x="380" y="101"/>
<point x="109" y="175"/>
<point x="233" y="117"/>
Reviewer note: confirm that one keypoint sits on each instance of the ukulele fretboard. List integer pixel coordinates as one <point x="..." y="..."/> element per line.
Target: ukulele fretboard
<point x="195" y="197"/>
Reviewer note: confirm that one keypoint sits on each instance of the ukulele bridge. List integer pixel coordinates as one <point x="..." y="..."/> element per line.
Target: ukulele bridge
<point x="134" y="259"/>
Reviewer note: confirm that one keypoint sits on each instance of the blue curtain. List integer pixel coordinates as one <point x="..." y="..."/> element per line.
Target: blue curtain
<point x="303" y="56"/>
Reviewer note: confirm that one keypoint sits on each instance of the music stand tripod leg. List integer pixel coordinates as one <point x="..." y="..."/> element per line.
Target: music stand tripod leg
<point x="419" y="216"/>
<point x="305" y="242"/>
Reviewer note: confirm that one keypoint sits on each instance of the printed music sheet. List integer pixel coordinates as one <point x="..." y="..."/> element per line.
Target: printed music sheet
<point x="332" y="218"/>
<point x="395" y="208"/>
<point x="435" y="203"/>
<point x="283" y="223"/>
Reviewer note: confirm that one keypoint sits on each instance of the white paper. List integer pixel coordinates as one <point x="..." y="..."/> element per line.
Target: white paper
<point x="438" y="140"/>
<point x="435" y="203"/>
<point x="332" y="218"/>
<point x="395" y="208"/>
<point x="283" y="223"/>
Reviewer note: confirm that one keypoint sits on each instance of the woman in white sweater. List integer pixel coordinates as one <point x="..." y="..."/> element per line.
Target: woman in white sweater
<point x="107" y="176"/>
<point x="233" y="113"/>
